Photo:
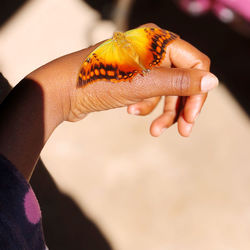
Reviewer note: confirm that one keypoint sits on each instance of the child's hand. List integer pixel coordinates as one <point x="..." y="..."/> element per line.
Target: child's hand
<point x="182" y="78"/>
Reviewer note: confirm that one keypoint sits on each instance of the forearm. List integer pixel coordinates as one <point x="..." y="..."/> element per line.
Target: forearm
<point x="26" y="124"/>
<point x="34" y="108"/>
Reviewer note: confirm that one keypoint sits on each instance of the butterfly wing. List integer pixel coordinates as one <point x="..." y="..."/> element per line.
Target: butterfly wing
<point x="120" y="59"/>
<point x="150" y="44"/>
<point x="107" y="62"/>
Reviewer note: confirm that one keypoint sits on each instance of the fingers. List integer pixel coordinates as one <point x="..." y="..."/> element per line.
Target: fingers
<point x="184" y="127"/>
<point x="185" y="118"/>
<point x="193" y="107"/>
<point x="145" y="107"/>
<point x="172" y="81"/>
<point x="182" y="54"/>
<point x="167" y="118"/>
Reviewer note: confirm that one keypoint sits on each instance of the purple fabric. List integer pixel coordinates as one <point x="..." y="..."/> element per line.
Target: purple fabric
<point x="31" y="207"/>
<point x="20" y="215"/>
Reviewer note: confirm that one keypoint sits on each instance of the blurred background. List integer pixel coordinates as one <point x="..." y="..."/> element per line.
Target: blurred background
<point x="104" y="182"/>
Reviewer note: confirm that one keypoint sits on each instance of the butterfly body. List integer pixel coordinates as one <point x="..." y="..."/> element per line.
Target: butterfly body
<point x="125" y="55"/>
<point x="125" y="44"/>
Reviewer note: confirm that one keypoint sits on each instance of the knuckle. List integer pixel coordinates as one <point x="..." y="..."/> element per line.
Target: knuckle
<point x="204" y="62"/>
<point x="150" y="25"/>
<point x="181" y="81"/>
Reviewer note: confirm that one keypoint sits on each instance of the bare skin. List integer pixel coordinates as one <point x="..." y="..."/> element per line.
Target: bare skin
<point x="49" y="95"/>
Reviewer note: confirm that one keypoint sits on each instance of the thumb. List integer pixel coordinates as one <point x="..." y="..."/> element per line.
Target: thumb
<point x="160" y="81"/>
<point x="173" y="81"/>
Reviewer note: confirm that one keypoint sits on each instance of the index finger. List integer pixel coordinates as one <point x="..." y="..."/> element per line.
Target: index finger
<point x="182" y="54"/>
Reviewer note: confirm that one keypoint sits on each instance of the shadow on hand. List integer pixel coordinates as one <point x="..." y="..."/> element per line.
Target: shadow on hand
<point x="65" y="226"/>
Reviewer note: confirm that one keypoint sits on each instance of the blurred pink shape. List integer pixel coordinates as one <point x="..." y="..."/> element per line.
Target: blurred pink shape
<point x="242" y="7"/>
<point x="195" y="7"/>
<point x="223" y="8"/>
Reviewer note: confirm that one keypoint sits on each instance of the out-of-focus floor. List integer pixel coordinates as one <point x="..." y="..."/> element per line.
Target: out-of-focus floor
<point x="142" y="192"/>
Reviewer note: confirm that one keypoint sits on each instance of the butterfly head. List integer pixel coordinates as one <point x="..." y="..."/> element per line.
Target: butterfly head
<point x="119" y="36"/>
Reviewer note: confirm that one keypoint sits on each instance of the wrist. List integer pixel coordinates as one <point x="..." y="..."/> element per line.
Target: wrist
<point x="51" y="104"/>
<point x="56" y="96"/>
<point x="34" y="108"/>
<point x="24" y="127"/>
<point x="58" y="80"/>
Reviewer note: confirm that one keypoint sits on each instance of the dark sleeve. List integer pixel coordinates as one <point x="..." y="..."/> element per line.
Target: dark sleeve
<point x="20" y="215"/>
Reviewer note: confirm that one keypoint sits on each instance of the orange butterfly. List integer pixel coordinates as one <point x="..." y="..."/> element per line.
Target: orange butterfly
<point x="126" y="55"/>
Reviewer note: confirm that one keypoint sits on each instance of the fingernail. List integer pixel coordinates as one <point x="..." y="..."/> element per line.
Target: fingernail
<point x="208" y="82"/>
<point x="134" y="111"/>
<point x="188" y="129"/>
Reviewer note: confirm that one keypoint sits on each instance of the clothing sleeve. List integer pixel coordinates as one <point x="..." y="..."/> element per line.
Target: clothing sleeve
<point x="20" y="215"/>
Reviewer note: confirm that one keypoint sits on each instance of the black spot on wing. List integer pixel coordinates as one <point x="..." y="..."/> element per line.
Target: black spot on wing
<point x="159" y="44"/>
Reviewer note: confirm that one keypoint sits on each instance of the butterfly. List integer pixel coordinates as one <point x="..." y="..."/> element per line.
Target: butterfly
<point x="125" y="55"/>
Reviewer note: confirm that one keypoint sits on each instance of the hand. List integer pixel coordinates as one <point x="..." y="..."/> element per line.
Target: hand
<point x="49" y="95"/>
<point x="178" y="79"/>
